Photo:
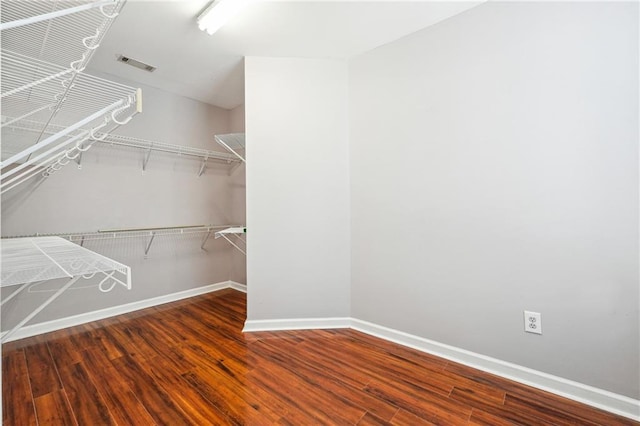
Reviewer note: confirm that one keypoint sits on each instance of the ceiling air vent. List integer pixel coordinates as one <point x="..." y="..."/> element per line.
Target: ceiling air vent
<point x="136" y="63"/>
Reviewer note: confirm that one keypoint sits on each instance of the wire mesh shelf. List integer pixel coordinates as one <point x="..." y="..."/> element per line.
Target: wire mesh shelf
<point x="110" y="139"/>
<point x="29" y="261"/>
<point x="46" y="46"/>
<point x="234" y="143"/>
<point x="150" y="234"/>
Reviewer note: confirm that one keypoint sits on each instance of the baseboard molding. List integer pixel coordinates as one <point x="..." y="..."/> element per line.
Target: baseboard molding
<point x="296" y="324"/>
<point x="59" y="324"/>
<point x="586" y="394"/>
<point x="237" y="286"/>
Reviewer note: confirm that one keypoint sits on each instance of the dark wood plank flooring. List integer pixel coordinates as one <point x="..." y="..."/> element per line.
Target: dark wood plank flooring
<point x="188" y="363"/>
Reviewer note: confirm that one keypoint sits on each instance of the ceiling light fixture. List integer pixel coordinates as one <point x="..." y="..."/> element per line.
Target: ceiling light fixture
<point x="219" y="13"/>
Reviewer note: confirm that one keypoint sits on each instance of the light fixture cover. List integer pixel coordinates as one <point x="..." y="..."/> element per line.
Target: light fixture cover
<point x="219" y="13"/>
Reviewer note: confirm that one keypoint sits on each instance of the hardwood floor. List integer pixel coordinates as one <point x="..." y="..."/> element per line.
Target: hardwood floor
<point x="189" y="363"/>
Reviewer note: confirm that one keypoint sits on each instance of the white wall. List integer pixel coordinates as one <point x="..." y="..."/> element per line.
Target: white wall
<point x="494" y="168"/>
<point x="238" y="185"/>
<point x="297" y="191"/>
<point x="111" y="192"/>
<point x="237" y="119"/>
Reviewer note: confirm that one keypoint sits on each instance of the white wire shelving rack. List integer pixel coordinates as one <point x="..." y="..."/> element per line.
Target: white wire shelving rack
<point x="150" y="234"/>
<point x="235" y="235"/>
<point x="46" y="45"/>
<point x="144" y="145"/>
<point x="234" y="143"/>
<point x="27" y="262"/>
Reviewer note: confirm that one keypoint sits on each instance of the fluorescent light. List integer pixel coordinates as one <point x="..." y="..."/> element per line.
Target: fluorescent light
<point x="219" y="13"/>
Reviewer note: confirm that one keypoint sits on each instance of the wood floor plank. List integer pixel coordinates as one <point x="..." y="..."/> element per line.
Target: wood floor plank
<point x="17" y="400"/>
<point x="375" y="407"/>
<point x="186" y="397"/>
<point x="88" y="406"/>
<point x="310" y="394"/>
<point x="214" y="369"/>
<point x="583" y="413"/>
<point x="423" y="403"/>
<point x="405" y="418"/>
<point x="53" y="409"/>
<point x="477" y="394"/>
<point x="105" y="344"/>
<point x="236" y="409"/>
<point x="428" y="361"/>
<point x="546" y="414"/>
<point x="62" y="349"/>
<point x="188" y="363"/>
<point x="482" y="418"/>
<point x="122" y="403"/>
<point x="376" y="365"/>
<point x="371" y="420"/>
<point x="42" y="371"/>
<point x="157" y="401"/>
<point x="338" y="368"/>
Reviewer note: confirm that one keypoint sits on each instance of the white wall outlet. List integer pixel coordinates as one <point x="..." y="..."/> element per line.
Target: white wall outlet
<point x="532" y="322"/>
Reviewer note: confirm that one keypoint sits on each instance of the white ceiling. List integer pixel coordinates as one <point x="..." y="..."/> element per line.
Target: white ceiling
<point x="208" y="68"/>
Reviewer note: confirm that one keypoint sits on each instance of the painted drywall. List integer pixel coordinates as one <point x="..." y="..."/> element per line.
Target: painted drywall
<point x="112" y="192"/>
<point x="297" y="188"/>
<point x="237" y="182"/>
<point x="494" y="169"/>
<point x="237" y="119"/>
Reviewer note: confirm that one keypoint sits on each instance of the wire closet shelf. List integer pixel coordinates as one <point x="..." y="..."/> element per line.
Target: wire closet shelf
<point x="145" y="145"/>
<point x="150" y="234"/>
<point x="234" y="143"/>
<point x="46" y="45"/>
<point x="30" y="261"/>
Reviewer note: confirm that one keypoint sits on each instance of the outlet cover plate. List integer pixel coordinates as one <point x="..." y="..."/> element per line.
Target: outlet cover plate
<point x="532" y="322"/>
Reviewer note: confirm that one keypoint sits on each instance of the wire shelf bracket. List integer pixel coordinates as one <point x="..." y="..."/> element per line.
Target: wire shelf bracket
<point x="239" y="231"/>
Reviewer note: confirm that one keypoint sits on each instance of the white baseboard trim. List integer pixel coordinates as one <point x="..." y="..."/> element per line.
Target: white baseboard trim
<point x="586" y="394"/>
<point x="296" y="324"/>
<point x="59" y="324"/>
<point x="237" y="286"/>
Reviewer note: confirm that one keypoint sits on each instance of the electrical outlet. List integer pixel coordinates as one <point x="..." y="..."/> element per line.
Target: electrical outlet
<point x="532" y="322"/>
